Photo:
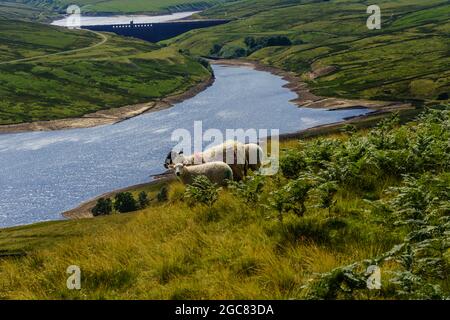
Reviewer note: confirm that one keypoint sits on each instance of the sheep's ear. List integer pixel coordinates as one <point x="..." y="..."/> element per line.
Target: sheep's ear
<point x="181" y="152"/>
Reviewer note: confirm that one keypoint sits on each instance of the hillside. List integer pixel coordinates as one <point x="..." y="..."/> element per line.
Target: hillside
<point x="340" y="203"/>
<point x="331" y="47"/>
<point x="108" y="71"/>
<point x="19" y="11"/>
<point x="93" y="7"/>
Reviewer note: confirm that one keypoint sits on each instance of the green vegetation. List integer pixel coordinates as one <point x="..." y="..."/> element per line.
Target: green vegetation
<point x="22" y="39"/>
<point x="124" y="202"/>
<point x="12" y="10"/>
<point x="359" y="198"/>
<point x="119" y="72"/>
<point x="118" y="6"/>
<point x="407" y="59"/>
<point x="202" y="191"/>
<point x="103" y="207"/>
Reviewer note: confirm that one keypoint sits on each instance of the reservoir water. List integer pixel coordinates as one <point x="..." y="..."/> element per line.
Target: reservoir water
<point x="124" y="19"/>
<point x="45" y="173"/>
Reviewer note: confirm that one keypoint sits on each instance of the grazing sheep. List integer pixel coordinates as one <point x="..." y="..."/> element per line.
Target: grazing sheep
<point x="230" y="152"/>
<point x="254" y="155"/>
<point x="217" y="172"/>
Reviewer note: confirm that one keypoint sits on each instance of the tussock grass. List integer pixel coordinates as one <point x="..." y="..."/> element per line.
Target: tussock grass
<point x="176" y="252"/>
<point x="239" y="250"/>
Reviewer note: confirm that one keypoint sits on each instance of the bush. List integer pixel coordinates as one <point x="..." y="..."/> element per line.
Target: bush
<point x="297" y="193"/>
<point x="215" y="51"/>
<point x="232" y="51"/>
<point x="293" y="163"/>
<point x="124" y="202"/>
<point x="202" y="191"/>
<point x="255" y="44"/>
<point x="327" y="191"/>
<point x="103" y="207"/>
<point x="249" y="191"/>
<point x="143" y="200"/>
<point x="163" y="194"/>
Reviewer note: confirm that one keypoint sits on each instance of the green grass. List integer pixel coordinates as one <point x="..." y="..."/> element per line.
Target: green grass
<point x="25" y="39"/>
<point x="19" y="11"/>
<point x="121" y="72"/>
<point x="242" y="251"/>
<point x="175" y="252"/>
<point x="393" y="63"/>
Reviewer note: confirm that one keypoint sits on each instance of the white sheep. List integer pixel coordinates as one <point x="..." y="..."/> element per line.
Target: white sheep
<point x="217" y="172"/>
<point x="231" y="152"/>
<point x="254" y="155"/>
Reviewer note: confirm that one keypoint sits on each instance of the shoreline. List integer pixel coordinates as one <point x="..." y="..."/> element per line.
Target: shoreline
<point x="305" y="99"/>
<point x="111" y="116"/>
<point x="108" y="116"/>
<point x="83" y="211"/>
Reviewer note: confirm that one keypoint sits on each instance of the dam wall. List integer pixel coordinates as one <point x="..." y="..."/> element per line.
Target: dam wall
<point x="155" y="32"/>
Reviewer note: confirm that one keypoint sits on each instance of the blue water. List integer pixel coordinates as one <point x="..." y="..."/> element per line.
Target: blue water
<point x="45" y="173"/>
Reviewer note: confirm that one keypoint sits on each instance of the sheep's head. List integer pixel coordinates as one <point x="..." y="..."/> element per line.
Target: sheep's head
<point x="173" y="158"/>
<point x="179" y="169"/>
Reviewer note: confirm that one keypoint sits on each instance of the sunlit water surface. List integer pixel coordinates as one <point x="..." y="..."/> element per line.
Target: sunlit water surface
<point x="45" y="173"/>
<point x="124" y="19"/>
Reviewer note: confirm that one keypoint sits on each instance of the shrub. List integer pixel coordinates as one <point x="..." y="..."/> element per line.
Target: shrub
<point x="327" y="191"/>
<point x="255" y="44"/>
<point x="250" y="190"/>
<point x="163" y="194"/>
<point x="296" y="195"/>
<point x="103" y="207"/>
<point x="202" y="191"/>
<point x="124" y="202"/>
<point x="143" y="200"/>
<point x="293" y="163"/>
<point x="215" y="51"/>
<point x="232" y="51"/>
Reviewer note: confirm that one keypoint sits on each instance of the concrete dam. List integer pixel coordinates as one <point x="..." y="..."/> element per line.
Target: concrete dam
<point x="155" y="32"/>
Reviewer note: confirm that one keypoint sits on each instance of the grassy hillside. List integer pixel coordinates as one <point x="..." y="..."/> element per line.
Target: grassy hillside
<point x="118" y="6"/>
<point x="19" y="11"/>
<point x="407" y="59"/>
<point x="370" y="197"/>
<point x="25" y="40"/>
<point x="120" y="72"/>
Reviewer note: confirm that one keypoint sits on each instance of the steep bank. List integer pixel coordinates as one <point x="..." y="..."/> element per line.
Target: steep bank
<point x="239" y="249"/>
<point x="83" y="73"/>
<point x="308" y="99"/>
<point x="380" y="111"/>
<point x="109" y="116"/>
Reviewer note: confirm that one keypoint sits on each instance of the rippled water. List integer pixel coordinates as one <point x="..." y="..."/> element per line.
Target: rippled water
<point x="45" y="173"/>
<point x="124" y="19"/>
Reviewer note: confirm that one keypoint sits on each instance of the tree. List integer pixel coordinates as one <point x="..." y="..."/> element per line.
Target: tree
<point x="124" y="202"/>
<point x="215" y="51"/>
<point x="103" y="207"/>
<point x="250" y="42"/>
<point x="163" y="194"/>
<point x="143" y="200"/>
